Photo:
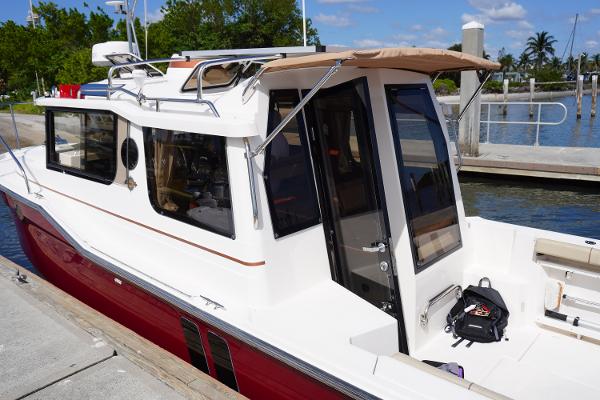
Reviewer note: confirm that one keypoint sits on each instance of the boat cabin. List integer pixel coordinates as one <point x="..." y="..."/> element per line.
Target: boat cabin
<point x="304" y="204"/>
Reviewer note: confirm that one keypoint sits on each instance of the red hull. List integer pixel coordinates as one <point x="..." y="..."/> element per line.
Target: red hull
<point x="258" y="375"/>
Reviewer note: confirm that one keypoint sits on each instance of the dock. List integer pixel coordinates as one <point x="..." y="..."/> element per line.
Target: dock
<point x="52" y="346"/>
<point x="573" y="164"/>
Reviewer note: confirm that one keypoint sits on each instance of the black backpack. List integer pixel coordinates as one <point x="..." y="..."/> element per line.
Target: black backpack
<point x="480" y="315"/>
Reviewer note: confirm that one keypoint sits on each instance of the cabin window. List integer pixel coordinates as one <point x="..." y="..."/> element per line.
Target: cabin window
<point x="214" y="77"/>
<point x="425" y="175"/>
<point x="288" y="172"/>
<point x="82" y="143"/>
<point x="222" y="361"/>
<point x="188" y="178"/>
<point x="194" y="345"/>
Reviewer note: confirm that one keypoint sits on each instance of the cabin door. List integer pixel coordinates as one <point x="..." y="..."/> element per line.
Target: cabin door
<point x="352" y="198"/>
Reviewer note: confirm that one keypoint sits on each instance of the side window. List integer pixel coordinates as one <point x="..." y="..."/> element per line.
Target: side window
<point x="83" y="143"/>
<point x="222" y="360"/>
<point x="188" y="178"/>
<point x="425" y="176"/>
<point x="288" y="172"/>
<point x="194" y="345"/>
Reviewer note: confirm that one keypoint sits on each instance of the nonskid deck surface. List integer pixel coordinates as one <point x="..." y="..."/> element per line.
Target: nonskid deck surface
<point x="534" y="363"/>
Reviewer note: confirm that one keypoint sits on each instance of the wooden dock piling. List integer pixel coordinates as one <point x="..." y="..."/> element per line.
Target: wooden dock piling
<point x="594" y="95"/>
<point x="531" y="92"/>
<point x="579" y="94"/>
<point x="505" y="92"/>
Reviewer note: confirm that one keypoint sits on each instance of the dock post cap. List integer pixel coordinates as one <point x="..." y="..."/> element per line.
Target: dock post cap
<point x="473" y="25"/>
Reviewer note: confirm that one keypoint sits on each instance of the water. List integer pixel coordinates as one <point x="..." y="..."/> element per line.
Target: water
<point x="9" y="240"/>
<point x="565" y="209"/>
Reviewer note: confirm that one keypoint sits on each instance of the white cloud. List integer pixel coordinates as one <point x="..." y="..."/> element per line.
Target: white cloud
<point x="525" y="24"/>
<point x="363" y="9"/>
<point x="438" y="44"/>
<point x="490" y="11"/>
<point x="435" y="33"/>
<point x="516" y="34"/>
<point x="507" y="12"/>
<point x="155" y="16"/>
<point x="405" y="37"/>
<point x="416" y="27"/>
<point x="370" y="43"/>
<point x="333" y="20"/>
<point x="595" y="11"/>
<point x="592" y="44"/>
<point x="580" y="18"/>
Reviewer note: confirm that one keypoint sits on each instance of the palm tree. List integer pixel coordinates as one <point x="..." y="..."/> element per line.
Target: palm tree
<point x="556" y="63"/>
<point x="539" y="47"/>
<point x="507" y="61"/>
<point x="524" y="61"/>
<point x="596" y="60"/>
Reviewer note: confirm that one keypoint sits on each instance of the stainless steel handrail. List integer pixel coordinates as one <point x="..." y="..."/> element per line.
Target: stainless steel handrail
<point x="12" y="116"/>
<point x="252" y="85"/>
<point x="424" y="317"/>
<point x="116" y="67"/>
<point x="248" y="156"/>
<point x="332" y="70"/>
<point x="9" y="150"/>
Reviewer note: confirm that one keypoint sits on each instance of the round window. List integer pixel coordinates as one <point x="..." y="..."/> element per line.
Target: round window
<point x="129" y="153"/>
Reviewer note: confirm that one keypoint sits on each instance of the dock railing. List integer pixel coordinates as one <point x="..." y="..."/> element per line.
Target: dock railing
<point x="537" y="122"/>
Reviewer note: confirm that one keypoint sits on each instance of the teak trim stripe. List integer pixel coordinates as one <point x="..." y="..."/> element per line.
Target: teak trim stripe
<point x="237" y="260"/>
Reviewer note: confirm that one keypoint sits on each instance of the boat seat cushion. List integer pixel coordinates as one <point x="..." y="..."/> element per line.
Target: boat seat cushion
<point x="585" y="255"/>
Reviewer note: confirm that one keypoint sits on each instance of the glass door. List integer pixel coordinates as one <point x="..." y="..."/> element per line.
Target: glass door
<point x="355" y="220"/>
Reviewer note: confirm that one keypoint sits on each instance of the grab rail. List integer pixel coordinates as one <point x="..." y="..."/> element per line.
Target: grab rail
<point x="9" y="150"/>
<point x="202" y="66"/>
<point x="424" y="317"/>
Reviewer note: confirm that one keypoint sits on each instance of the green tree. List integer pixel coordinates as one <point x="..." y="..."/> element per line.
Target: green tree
<point x="540" y="47"/>
<point x="506" y="61"/>
<point x="78" y="69"/>
<point x="524" y="61"/>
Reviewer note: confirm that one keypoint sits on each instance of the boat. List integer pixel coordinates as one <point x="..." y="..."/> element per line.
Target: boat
<point x="289" y="221"/>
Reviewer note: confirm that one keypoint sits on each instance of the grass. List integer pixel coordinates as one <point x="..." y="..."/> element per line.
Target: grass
<point x="23" y="109"/>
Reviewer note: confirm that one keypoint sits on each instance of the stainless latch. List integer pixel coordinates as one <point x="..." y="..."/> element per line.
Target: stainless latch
<point x="379" y="248"/>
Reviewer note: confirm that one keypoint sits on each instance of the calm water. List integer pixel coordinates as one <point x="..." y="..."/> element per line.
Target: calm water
<point x="9" y="241"/>
<point x="566" y="209"/>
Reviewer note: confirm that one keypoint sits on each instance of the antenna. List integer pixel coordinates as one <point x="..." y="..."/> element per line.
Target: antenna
<point x="122" y="7"/>
<point x="31" y="16"/>
<point x="304" y="22"/>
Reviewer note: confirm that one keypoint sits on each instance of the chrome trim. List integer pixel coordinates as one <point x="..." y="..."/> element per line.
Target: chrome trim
<point x="296" y="50"/>
<point x="266" y="348"/>
<point x="248" y="155"/>
<point x="332" y="70"/>
<point x="252" y="85"/>
<point x="9" y="150"/>
<point x="424" y="317"/>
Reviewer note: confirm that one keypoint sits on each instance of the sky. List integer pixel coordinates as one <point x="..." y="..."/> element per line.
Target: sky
<point x="432" y="23"/>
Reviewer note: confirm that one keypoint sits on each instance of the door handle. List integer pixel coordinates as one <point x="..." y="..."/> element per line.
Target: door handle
<point x="378" y="248"/>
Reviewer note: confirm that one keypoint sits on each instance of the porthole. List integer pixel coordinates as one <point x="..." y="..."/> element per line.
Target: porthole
<point x="129" y="153"/>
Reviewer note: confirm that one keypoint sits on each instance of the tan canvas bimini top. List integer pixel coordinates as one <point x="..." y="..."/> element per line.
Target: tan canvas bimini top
<point x="423" y="60"/>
